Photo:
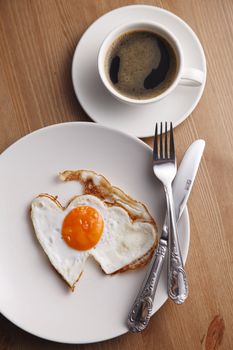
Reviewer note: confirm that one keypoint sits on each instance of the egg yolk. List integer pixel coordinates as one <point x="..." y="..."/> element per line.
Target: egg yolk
<point x="82" y="228"/>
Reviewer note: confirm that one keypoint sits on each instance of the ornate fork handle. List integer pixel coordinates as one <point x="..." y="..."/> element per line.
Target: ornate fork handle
<point x="141" y="311"/>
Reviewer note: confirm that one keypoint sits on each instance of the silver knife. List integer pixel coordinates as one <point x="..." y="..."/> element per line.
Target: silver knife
<point x="141" y="310"/>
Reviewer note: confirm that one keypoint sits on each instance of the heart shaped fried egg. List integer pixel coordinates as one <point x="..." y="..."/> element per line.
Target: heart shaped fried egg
<point x="103" y="222"/>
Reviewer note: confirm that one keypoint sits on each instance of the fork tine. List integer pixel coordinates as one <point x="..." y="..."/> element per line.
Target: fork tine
<point x="161" y="140"/>
<point x="172" y="148"/>
<point x="166" y="154"/>
<point x="155" y="150"/>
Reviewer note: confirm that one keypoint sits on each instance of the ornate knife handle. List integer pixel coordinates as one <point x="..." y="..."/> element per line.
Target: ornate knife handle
<point x="141" y="311"/>
<point x="177" y="279"/>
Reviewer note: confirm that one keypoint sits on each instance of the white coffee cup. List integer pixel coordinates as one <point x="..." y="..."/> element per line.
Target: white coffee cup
<point x="185" y="75"/>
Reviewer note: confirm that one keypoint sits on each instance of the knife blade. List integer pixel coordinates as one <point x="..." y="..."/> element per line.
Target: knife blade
<point x="183" y="182"/>
<point x="141" y="310"/>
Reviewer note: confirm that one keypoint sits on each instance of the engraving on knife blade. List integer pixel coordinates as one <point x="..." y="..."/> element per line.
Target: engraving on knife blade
<point x="188" y="184"/>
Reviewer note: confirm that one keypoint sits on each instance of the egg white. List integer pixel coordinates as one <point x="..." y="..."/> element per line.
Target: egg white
<point x="122" y="242"/>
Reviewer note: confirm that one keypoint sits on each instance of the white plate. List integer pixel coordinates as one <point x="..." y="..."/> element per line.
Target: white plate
<point x="32" y="294"/>
<point x="104" y="108"/>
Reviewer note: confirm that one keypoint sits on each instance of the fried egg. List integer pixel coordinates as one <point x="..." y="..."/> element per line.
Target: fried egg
<point x="103" y="222"/>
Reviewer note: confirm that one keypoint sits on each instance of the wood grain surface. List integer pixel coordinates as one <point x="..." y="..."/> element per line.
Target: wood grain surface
<point x="37" y="41"/>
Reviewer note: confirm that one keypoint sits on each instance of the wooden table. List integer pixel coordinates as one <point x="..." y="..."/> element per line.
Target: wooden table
<point x="37" y="41"/>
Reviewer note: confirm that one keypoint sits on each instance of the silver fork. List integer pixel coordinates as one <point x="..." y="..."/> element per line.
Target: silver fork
<point x="164" y="167"/>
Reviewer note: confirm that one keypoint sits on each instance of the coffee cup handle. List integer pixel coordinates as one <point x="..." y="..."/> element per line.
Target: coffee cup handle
<point x="192" y="77"/>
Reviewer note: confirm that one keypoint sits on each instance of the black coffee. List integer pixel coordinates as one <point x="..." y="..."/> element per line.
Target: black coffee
<point x="141" y="64"/>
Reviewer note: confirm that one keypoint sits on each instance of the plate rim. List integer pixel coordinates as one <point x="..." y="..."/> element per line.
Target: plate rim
<point x="95" y="125"/>
<point x="68" y="123"/>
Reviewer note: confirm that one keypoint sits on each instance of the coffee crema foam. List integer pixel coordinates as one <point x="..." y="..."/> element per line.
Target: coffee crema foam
<point x="141" y="64"/>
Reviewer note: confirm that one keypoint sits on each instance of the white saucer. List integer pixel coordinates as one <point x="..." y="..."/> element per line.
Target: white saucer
<point x="105" y="109"/>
